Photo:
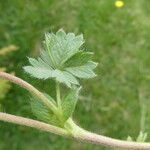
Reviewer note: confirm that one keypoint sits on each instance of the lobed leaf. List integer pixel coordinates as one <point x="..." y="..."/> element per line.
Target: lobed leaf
<point x="78" y="59"/>
<point x="62" y="46"/>
<point x="39" y="72"/>
<point x="42" y="112"/>
<point x="69" y="103"/>
<point x="84" y="71"/>
<point x="62" y="59"/>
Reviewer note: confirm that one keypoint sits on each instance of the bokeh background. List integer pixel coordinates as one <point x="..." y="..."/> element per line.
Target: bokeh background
<point x="115" y="103"/>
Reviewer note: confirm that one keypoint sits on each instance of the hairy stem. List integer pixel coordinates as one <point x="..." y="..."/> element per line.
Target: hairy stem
<point x="79" y="134"/>
<point x="32" y="123"/>
<point x="110" y="142"/>
<point x="58" y="95"/>
<point x="30" y="88"/>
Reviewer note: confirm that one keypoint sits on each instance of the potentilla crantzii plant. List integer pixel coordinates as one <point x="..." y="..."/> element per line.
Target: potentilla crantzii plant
<point x="64" y="61"/>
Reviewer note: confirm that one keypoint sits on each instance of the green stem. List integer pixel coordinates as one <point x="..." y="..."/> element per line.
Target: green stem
<point x="58" y="95"/>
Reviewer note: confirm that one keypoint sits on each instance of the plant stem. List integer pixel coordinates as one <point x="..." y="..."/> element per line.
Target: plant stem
<point x="79" y="133"/>
<point x="58" y="95"/>
<point x="93" y="138"/>
<point x="32" y="123"/>
<point x="30" y="88"/>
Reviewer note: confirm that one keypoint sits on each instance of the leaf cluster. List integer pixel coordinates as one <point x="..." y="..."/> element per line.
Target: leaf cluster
<point x="62" y="59"/>
<point x="47" y="115"/>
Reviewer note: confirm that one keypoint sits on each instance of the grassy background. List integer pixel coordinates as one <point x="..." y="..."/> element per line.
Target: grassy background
<point x="120" y="41"/>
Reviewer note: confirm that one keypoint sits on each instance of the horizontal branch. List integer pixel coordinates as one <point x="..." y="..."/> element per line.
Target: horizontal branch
<point x="30" y="88"/>
<point x="110" y="142"/>
<point x="32" y="123"/>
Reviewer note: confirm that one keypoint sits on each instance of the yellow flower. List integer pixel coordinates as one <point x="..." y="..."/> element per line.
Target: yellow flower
<point x="119" y="3"/>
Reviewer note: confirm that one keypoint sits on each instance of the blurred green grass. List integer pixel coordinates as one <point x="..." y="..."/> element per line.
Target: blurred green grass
<point x="120" y="41"/>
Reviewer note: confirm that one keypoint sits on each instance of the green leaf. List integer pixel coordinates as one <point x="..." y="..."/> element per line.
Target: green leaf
<point x="62" y="46"/>
<point x="62" y="59"/>
<point x="45" y="56"/>
<point x="78" y="59"/>
<point x="84" y="71"/>
<point x="129" y="138"/>
<point x="141" y="137"/>
<point x="69" y="103"/>
<point x="65" y="77"/>
<point x="39" y="72"/>
<point x="42" y="112"/>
